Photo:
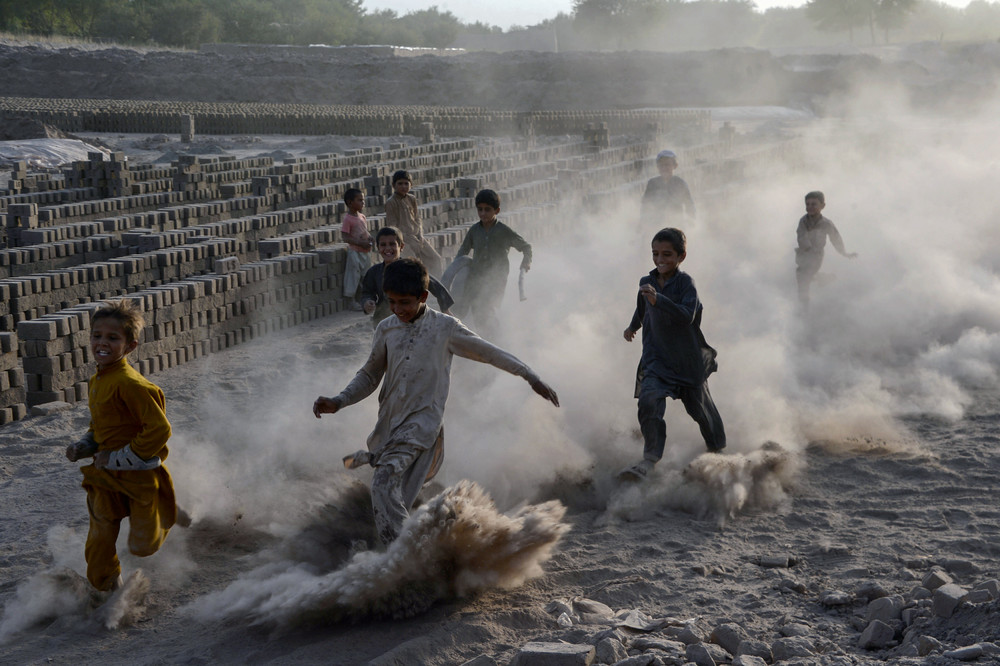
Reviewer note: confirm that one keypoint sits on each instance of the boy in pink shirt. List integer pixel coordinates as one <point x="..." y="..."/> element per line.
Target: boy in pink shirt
<point x="354" y="231"/>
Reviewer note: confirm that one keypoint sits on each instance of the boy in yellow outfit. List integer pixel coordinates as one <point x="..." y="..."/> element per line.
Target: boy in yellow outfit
<point x="128" y="440"/>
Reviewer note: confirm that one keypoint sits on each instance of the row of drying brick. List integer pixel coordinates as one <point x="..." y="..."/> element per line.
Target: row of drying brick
<point x="203" y="314"/>
<point x="225" y="172"/>
<point x="184" y="320"/>
<point x="166" y="117"/>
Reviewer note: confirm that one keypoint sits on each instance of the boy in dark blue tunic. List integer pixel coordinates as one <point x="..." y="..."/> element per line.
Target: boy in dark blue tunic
<point x="676" y="360"/>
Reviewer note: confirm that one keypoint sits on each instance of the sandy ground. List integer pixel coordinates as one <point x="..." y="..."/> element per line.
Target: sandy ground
<point x="861" y="512"/>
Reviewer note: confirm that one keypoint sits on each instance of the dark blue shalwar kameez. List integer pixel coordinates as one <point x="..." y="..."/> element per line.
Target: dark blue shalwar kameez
<point x="676" y="362"/>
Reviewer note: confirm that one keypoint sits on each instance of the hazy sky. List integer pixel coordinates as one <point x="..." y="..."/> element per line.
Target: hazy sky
<point x="506" y="13"/>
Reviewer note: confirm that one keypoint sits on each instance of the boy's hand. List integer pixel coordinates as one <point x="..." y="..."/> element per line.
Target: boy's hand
<point x="544" y="390"/>
<point x="83" y="448"/>
<point x="852" y="255"/>
<point x="649" y="291"/>
<point x="368" y="306"/>
<point x="325" y="406"/>
<point x="629" y="335"/>
<point x="77" y="451"/>
<point x="101" y="459"/>
<point x="526" y="267"/>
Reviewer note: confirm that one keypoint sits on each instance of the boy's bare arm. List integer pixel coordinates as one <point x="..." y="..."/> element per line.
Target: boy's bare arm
<point x="468" y="345"/>
<point x="362" y="238"/>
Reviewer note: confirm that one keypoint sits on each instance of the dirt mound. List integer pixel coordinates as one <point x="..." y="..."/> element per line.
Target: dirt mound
<point x="19" y="128"/>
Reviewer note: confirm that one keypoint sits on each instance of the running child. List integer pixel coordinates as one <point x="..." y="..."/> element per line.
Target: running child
<point x="676" y="360"/>
<point x="490" y="241"/>
<point x="128" y="440"/>
<point x="412" y="351"/>
<point x="812" y="233"/>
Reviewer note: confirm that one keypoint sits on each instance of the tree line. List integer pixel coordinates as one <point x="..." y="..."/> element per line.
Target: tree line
<point x="592" y="25"/>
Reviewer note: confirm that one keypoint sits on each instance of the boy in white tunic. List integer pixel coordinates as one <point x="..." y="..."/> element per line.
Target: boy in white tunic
<point x="413" y="350"/>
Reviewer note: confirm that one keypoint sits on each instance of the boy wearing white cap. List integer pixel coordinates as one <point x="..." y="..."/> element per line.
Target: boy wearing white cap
<point x="667" y="199"/>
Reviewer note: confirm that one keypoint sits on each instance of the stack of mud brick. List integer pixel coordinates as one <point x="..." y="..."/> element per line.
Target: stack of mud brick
<point x="55" y="356"/>
<point x="111" y="177"/>
<point x="20" y="217"/>
<point x="13" y="405"/>
<point x="187" y="128"/>
<point x="189" y="179"/>
<point x="597" y="135"/>
<point x="22" y="183"/>
<point x="60" y="255"/>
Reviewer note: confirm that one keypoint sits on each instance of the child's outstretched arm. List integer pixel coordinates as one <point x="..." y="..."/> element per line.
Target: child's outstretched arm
<point x="364" y="383"/>
<point x="467" y="344"/>
<point x="838" y="243"/>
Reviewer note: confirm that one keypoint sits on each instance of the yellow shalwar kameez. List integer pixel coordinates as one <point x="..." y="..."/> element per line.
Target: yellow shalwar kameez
<point x="126" y="409"/>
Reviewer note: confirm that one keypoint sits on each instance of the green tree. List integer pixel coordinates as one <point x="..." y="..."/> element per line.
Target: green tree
<point x="836" y="15"/>
<point x="893" y="14"/>
<point x="618" y="22"/>
<point x="187" y="23"/>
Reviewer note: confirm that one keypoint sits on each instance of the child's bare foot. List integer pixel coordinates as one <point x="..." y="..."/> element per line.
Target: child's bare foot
<point x="183" y="518"/>
<point x="118" y="583"/>
<point x="636" y="472"/>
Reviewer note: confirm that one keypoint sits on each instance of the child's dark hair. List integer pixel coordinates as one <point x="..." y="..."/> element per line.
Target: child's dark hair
<point x="488" y="197"/>
<point x="125" y="313"/>
<point x="389" y="231"/>
<point x="673" y="236"/>
<point x="402" y="174"/>
<point x="351" y="194"/>
<point x="406" y="277"/>
<point x="816" y="194"/>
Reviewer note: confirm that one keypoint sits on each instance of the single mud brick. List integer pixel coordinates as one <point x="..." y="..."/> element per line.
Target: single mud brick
<point x="946" y="599"/>
<point x="749" y="660"/>
<point x="877" y="635"/>
<point x="728" y="636"/>
<point x="754" y="648"/>
<point x="936" y="579"/>
<point x="789" y="648"/>
<point x="705" y="654"/>
<point x="967" y="653"/>
<point x="885" y="609"/>
<point x="37" y="329"/>
<point x="554" y="654"/>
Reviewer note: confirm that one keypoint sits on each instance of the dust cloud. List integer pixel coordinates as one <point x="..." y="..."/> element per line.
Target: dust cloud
<point x="453" y="545"/>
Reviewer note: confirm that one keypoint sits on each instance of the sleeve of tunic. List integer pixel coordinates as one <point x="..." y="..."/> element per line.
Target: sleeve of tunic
<point x="393" y="212"/>
<point x="369" y="284"/>
<point x="835" y="239"/>
<point x="370" y="375"/>
<point x="466" y="244"/>
<point x="463" y="342"/>
<point x="515" y="240"/>
<point x="687" y="199"/>
<point x="683" y="310"/>
<point x="441" y="293"/>
<point x="146" y="405"/>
